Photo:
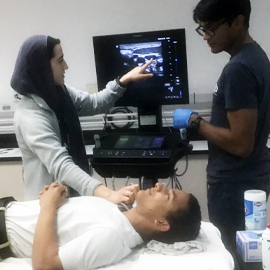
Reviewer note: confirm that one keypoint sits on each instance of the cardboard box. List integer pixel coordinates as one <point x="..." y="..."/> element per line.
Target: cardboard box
<point x="249" y="245"/>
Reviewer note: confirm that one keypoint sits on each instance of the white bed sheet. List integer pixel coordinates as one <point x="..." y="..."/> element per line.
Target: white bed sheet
<point x="216" y="257"/>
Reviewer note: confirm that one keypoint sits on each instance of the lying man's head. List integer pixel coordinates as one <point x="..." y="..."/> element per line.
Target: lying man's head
<point x="167" y="215"/>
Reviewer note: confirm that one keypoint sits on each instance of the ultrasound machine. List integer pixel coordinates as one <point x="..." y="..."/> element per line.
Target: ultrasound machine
<point x="150" y="151"/>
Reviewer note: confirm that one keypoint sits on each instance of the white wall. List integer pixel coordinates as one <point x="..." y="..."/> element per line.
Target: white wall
<point x="75" y="22"/>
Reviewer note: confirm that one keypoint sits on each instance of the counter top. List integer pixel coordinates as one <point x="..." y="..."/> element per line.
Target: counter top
<point x="13" y="154"/>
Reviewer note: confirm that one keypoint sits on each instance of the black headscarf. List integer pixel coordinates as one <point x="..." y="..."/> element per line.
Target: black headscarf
<point x="33" y="75"/>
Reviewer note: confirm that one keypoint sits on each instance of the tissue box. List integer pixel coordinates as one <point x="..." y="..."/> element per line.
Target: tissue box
<point x="249" y="245"/>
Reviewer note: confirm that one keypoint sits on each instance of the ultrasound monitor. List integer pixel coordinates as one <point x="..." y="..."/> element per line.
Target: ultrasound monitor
<point x="117" y="54"/>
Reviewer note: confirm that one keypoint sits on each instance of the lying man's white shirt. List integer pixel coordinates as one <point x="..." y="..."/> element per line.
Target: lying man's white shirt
<point x="91" y="232"/>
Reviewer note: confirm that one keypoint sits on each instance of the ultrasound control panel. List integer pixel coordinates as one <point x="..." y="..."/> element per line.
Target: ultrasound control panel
<point x="138" y="155"/>
<point x="133" y="153"/>
<point x="136" y="146"/>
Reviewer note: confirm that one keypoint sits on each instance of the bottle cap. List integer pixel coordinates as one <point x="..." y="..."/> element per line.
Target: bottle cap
<point x="268" y="226"/>
<point x="255" y="195"/>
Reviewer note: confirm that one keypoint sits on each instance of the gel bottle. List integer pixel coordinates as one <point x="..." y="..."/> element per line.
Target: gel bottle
<point x="266" y="248"/>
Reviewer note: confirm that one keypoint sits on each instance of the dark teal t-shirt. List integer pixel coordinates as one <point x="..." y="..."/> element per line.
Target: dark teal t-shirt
<point x="243" y="84"/>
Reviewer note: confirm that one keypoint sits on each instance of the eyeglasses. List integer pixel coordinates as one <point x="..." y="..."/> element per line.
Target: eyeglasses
<point x="209" y="31"/>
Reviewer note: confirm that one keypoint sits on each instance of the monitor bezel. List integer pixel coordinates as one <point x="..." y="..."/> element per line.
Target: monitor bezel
<point x="100" y="43"/>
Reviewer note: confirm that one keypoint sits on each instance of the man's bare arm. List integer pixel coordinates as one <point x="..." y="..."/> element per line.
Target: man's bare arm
<point x="239" y="138"/>
<point x="45" y="247"/>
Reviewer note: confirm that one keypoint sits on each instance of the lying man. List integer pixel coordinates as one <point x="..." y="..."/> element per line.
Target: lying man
<point x="90" y="232"/>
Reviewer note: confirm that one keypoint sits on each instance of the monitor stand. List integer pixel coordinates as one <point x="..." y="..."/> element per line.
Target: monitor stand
<point x="150" y="119"/>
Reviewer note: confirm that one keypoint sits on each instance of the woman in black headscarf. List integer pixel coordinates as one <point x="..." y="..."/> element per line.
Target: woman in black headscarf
<point x="47" y="125"/>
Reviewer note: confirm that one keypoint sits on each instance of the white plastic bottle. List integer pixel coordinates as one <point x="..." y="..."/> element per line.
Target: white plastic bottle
<point x="255" y="209"/>
<point x="266" y="248"/>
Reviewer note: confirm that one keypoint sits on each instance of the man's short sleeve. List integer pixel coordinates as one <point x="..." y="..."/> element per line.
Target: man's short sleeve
<point x="96" y="248"/>
<point x="240" y="87"/>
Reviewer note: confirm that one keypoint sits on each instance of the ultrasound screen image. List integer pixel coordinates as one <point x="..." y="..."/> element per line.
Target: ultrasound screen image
<point x="115" y="55"/>
<point x="137" y="54"/>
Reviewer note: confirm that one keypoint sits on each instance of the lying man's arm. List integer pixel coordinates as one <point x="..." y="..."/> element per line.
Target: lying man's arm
<point x="45" y="247"/>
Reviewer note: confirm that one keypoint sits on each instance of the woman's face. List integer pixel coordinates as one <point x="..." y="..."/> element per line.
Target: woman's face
<point x="58" y="65"/>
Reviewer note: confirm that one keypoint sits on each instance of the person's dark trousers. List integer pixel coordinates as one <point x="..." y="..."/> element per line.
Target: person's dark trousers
<point x="226" y="210"/>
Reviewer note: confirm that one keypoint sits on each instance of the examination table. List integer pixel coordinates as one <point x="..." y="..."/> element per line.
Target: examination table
<point x="215" y="257"/>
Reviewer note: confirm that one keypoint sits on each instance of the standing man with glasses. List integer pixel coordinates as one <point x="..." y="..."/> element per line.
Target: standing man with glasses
<point x="238" y="131"/>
